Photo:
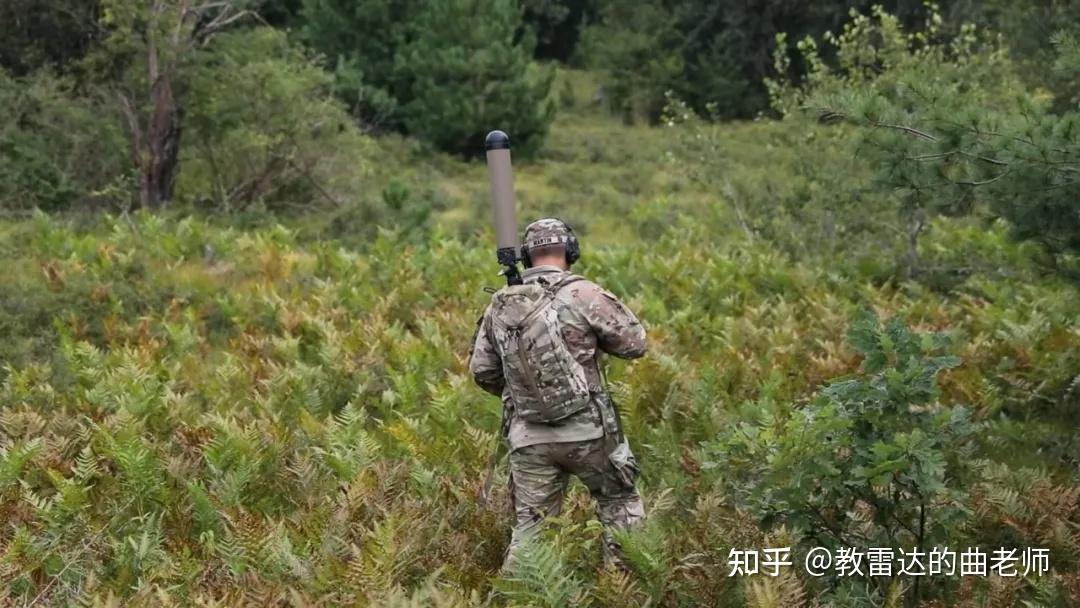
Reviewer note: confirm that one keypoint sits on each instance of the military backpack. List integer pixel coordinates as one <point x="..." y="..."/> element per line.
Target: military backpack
<point x="546" y="382"/>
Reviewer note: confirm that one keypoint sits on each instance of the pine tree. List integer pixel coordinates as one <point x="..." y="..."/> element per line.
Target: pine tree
<point x="470" y="72"/>
<point x="950" y="128"/>
<point x="360" y="39"/>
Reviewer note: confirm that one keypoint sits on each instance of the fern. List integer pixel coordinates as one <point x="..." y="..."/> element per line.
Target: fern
<point x="192" y="414"/>
<point x="14" y="459"/>
<point x="539" y="577"/>
<point x="617" y="587"/>
<point x="783" y="591"/>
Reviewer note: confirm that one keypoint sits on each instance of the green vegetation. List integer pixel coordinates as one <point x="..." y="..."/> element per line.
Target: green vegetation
<point x="239" y="376"/>
<point x="951" y="129"/>
<point x="444" y="71"/>
<point x="878" y="449"/>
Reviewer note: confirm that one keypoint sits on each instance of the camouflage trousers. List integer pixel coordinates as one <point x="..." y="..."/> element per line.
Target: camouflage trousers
<point x="538" y="478"/>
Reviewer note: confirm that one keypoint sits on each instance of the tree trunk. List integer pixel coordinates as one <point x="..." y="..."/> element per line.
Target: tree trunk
<point x="173" y="29"/>
<point x="162" y="145"/>
<point x="915" y="227"/>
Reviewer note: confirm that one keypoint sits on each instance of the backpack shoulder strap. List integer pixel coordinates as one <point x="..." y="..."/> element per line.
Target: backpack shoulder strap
<point x="549" y="295"/>
<point x="557" y="286"/>
<point x="539" y="304"/>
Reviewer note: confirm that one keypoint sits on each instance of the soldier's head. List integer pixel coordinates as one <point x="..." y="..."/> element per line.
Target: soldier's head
<point x="549" y="242"/>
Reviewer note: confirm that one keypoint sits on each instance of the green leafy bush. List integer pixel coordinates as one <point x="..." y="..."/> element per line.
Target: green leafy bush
<point x="55" y="148"/>
<point x="263" y="127"/>
<point x="949" y="128"/>
<point x="446" y="71"/>
<point x="871" y="461"/>
<point x="361" y="39"/>
<point x="634" y="45"/>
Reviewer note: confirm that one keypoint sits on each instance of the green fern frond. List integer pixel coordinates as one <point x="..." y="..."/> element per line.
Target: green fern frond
<point x="15" y="458"/>
<point x="86" y="465"/>
<point x="539" y="576"/>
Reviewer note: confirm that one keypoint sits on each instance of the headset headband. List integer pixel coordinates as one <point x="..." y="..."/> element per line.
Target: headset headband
<point x="573" y="249"/>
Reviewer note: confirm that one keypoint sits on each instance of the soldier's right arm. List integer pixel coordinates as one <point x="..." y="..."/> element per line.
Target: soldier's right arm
<point x="618" y="331"/>
<point x="485" y="364"/>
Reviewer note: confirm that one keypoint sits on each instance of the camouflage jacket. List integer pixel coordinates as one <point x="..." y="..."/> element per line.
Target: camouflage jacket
<point x="593" y="321"/>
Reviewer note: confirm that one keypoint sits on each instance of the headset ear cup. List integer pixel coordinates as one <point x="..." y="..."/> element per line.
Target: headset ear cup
<point x="525" y="259"/>
<point x="573" y="250"/>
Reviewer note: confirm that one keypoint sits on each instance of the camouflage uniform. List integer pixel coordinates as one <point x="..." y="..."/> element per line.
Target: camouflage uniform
<point x="542" y="456"/>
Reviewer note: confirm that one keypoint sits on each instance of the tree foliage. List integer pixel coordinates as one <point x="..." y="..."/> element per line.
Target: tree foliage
<point x="871" y="461"/>
<point x="265" y="127"/>
<point x="635" y="44"/>
<point x="558" y="25"/>
<point x="949" y="129"/>
<point x="447" y="71"/>
<point x="142" y="59"/>
<point x="468" y="75"/>
<point x="55" y="35"/>
<point x="705" y="52"/>
<point x="56" y="149"/>
<point x="360" y="40"/>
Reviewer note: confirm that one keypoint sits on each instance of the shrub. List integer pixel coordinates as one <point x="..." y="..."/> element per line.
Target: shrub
<point x="264" y="127"/>
<point x="56" y="149"/>
<point x="446" y="71"/>
<point x="360" y="39"/>
<point x="871" y="461"/>
<point x="949" y="128"/>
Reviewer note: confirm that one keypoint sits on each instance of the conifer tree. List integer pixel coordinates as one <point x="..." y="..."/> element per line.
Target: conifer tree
<point x="470" y="71"/>
<point x="950" y="128"/>
<point x="359" y="39"/>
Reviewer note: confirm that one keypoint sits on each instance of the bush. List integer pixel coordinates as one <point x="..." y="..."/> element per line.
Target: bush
<point x="56" y="148"/>
<point x="636" y="46"/>
<point x="872" y="461"/>
<point x="446" y="71"/>
<point x="949" y="128"/>
<point x="263" y="126"/>
<point x="361" y="38"/>
<point x="708" y="52"/>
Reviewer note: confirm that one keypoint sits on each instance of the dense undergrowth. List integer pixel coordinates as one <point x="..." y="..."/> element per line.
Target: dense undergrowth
<point x="276" y="409"/>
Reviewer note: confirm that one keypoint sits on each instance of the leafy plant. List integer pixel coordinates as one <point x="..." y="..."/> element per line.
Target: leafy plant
<point x="872" y="461"/>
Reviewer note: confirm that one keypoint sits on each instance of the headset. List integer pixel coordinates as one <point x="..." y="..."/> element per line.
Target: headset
<point x="573" y="248"/>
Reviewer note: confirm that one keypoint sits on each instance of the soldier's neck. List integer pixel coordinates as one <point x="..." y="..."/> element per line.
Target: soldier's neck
<point x="556" y="261"/>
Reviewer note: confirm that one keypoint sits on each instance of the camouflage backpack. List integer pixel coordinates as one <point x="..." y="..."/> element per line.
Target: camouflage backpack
<point x="546" y="383"/>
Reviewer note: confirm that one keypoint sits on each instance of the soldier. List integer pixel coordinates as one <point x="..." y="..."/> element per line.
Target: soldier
<point x="537" y="347"/>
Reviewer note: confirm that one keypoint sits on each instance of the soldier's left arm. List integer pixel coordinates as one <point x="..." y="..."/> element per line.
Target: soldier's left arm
<point x="485" y="364"/>
<point x="618" y="330"/>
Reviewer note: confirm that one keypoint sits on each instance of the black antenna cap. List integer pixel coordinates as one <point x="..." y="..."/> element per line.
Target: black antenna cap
<point x="497" y="140"/>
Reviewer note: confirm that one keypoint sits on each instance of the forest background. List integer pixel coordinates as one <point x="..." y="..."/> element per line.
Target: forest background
<point x="247" y="242"/>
